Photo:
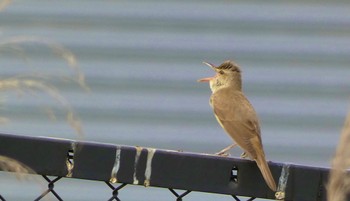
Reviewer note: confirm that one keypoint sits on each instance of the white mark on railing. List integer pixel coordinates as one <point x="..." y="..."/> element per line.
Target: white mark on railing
<point x="137" y="156"/>
<point x="70" y="159"/>
<point x="148" y="170"/>
<point x="282" y="183"/>
<point x="116" y="166"/>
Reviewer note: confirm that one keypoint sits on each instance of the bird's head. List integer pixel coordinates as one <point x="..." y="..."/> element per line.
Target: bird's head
<point x="228" y="74"/>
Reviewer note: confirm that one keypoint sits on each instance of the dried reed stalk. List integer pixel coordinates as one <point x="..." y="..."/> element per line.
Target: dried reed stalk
<point x="23" y="85"/>
<point x="34" y="83"/>
<point x="339" y="180"/>
<point x="12" y="165"/>
<point x="28" y="83"/>
<point x="15" y="44"/>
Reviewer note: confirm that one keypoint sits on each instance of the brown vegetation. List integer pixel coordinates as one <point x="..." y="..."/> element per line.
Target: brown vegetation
<point x="339" y="180"/>
<point x="33" y="83"/>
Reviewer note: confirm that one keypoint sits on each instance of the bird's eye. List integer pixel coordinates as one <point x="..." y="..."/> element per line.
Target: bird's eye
<point x="221" y="72"/>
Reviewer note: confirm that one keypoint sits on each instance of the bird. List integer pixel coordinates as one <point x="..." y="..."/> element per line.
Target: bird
<point x="237" y="116"/>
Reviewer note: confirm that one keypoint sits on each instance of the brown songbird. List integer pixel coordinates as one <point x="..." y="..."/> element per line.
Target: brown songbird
<point x="236" y="115"/>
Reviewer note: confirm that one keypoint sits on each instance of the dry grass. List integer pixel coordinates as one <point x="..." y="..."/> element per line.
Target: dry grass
<point x="12" y="165"/>
<point x="34" y="83"/>
<point x="31" y="83"/>
<point x="21" y="171"/>
<point x="15" y="43"/>
<point x="339" y="180"/>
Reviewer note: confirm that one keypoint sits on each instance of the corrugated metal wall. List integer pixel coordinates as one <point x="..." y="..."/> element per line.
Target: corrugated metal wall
<point x="142" y="59"/>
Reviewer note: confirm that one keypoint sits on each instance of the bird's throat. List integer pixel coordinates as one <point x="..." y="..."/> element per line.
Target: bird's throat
<point x="217" y="84"/>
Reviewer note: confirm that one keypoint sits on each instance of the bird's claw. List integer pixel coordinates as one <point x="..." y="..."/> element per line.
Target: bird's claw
<point x="244" y="155"/>
<point x="223" y="153"/>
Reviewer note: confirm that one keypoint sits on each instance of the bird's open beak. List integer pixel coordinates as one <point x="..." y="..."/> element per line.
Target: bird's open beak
<point x="212" y="66"/>
<point x="207" y="79"/>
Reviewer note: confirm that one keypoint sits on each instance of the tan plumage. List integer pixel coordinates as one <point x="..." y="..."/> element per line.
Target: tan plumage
<point x="237" y="116"/>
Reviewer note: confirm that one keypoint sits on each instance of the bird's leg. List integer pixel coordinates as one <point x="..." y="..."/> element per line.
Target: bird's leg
<point x="244" y="155"/>
<point x="225" y="150"/>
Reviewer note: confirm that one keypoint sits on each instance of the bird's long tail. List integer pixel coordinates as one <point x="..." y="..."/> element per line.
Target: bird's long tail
<point x="266" y="173"/>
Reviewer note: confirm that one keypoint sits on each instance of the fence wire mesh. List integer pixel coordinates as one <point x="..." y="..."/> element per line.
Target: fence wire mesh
<point x="116" y="190"/>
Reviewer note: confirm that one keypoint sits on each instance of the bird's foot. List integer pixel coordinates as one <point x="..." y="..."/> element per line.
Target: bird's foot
<point x="225" y="151"/>
<point x="244" y="155"/>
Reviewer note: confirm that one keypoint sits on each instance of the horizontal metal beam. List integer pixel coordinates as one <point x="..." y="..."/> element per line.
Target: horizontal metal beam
<point x="162" y="168"/>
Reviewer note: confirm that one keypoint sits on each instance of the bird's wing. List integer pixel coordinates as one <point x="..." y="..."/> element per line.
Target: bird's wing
<point x="238" y="118"/>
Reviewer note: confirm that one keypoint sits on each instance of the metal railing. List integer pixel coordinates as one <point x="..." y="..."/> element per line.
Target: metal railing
<point x="173" y="170"/>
